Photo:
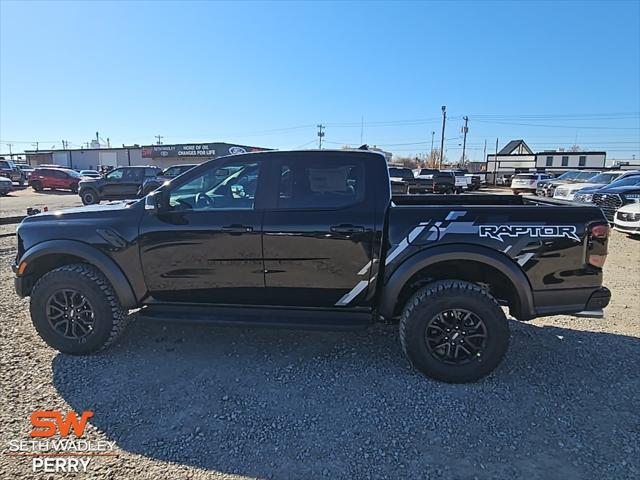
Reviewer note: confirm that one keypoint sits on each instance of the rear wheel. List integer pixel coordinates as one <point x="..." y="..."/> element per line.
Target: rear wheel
<point x="454" y="331"/>
<point x="37" y="186"/>
<point x="89" y="197"/>
<point x="75" y="310"/>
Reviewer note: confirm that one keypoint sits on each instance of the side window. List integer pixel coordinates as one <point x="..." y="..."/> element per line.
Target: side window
<point x="565" y="161"/>
<point x="150" y="172"/>
<point x="231" y="186"/>
<point x="4" y="164"/>
<point x="582" y="161"/>
<point x="314" y="185"/>
<point x="549" y="161"/>
<point x="132" y="174"/>
<point x="115" y="174"/>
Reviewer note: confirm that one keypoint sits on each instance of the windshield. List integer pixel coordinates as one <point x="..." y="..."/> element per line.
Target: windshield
<point x="584" y="177"/>
<point x="568" y="175"/>
<point x="604" y="178"/>
<point x="626" y="181"/>
<point x="400" y="172"/>
<point x="71" y="173"/>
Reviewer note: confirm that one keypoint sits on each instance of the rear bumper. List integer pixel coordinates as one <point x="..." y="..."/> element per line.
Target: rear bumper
<point x="626" y="229"/>
<point x="570" y="301"/>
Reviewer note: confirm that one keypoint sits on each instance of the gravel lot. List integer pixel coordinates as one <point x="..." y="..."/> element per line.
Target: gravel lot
<point x="206" y="402"/>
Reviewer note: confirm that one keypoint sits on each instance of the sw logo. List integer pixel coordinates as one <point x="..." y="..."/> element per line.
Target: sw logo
<point x="47" y="422"/>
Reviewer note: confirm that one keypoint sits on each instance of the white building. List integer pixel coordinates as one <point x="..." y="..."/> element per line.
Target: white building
<point x="514" y="157"/>
<point x="553" y="160"/>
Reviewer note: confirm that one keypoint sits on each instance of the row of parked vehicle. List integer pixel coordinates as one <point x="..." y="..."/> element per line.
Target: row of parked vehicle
<point x="616" y="192"/>
<point x="407" y="181"/>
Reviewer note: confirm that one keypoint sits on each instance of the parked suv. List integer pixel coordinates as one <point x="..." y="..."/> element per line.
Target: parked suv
<point x="119" y="184"/>
<point x="527" y="182"/>
<point x="55" y="179"/>
<point x="438" y="182"/>
<point x="11" y="171"/>
<point x="151" y="183"/>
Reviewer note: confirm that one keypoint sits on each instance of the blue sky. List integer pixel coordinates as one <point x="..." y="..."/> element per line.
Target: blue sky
<point x="266" y="74"/>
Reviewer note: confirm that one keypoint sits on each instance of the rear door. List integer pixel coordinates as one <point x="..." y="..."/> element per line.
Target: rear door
<point x="318" y="230"/>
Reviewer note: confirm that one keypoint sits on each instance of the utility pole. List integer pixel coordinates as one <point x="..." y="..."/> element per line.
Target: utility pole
<point x="35" y="145"/>
<point x="159" y="137"/>
<point x="484" y="154"/>
<point x="320" y="136"/>
<point x="465" y="129"/>
<point x="495" y="164"/>
<point x="432" y="135"/>
<point x="10" y="152"/>
<point x="362" y="130"/>
<point x="444" y="122"/>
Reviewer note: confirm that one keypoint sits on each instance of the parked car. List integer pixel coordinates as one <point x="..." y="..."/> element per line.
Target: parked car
<point x="437" y="181"/>
<point x="627" y="219"/>
<point x="151" y="183"/>
<point x="574" y="176"/>
<point x="475" y="181"/>
<point x="9" y="170"/>
<point x="568" y="191"/>
<point x="6" y="185"/>
<point x="90" y="173"/>
<point x="403" y="181"/>
<point x="55" y="179"/>
<point x="617" y="195"/>
<point x="119" y="184"/>
<point x="527" y="182"/>
<point x="586" y="194"/>
<point x="462" y="183"/>
<point x="26" y="170"/>
<point x="313" y="239"/>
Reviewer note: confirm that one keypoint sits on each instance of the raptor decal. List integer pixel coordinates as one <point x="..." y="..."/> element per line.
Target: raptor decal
<point x="497" y="232"/>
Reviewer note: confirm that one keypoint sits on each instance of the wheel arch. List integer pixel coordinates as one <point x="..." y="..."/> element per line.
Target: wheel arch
<point x="52" y="254"/>
<point x="435" y="259"/>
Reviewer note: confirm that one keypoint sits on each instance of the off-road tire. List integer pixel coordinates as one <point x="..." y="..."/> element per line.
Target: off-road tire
<point x="89" y="197"/>
<point x="37" y="186"/>
<point x="448" y="294"/>
<point x="110" y="319"/>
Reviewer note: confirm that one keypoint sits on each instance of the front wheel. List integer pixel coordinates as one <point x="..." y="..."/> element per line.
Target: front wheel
<point x="454" y="331"/>
<point x="37" y="186"/>
<point x="76" y="311"/>
<point x="89" y="197"/>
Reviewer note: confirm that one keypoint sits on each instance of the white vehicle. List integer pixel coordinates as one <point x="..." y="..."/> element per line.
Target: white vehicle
<point x="527" y="182"/>
<point x="568" y="191"/>
<point x="627" y="219"/>
<point x="462" y="182"/>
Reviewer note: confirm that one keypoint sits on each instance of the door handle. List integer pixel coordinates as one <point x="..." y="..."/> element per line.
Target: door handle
<point x="237" y="228"/>
<point x="347" y="228"/>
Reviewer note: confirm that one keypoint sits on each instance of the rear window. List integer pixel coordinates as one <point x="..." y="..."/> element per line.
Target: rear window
<point x="321" y="185"/>
<point x="428" y="171"/>
<point x="524" y="176"/>
<point x="405" y="173"/>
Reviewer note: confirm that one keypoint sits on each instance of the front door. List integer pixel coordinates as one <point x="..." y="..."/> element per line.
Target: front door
<point x="318" y="232"/>
<point x="207" y="248"/>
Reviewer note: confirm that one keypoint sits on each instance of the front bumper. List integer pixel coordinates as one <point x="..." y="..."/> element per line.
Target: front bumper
<point x="624" y="228"/>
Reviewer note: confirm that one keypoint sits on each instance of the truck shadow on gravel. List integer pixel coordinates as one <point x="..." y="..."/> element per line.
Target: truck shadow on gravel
<point x="297" y="404"/>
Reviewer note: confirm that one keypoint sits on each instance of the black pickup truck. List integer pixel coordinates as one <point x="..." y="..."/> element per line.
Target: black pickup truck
<point x="314" y="239"/>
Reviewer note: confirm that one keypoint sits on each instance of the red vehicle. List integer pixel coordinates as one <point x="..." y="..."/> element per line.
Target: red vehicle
<point x="55" y="179"/>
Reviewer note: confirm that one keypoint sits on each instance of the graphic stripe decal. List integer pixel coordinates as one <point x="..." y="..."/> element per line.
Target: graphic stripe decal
<point x="360" y="286"/>
<point x="365" y="269"/>
<point x="525" y="258"/>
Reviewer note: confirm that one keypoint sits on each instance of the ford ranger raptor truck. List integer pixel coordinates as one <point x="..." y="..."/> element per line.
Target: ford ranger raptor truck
<point x="314" y="239"/>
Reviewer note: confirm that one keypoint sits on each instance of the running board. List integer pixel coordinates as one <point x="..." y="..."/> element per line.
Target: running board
<point x="589" y="314"/>
<point x="271" y="317"/>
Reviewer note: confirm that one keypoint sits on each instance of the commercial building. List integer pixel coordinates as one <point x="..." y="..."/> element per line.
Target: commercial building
<point x="517" y="157"/>
<point x="167" y="155"/>
<point x="162" y="156"/>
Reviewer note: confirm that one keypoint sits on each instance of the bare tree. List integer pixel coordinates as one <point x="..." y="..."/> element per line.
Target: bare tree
<point x="575" y="148"/>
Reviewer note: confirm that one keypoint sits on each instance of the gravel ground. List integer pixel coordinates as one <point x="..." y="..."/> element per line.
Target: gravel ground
<point x="205" y="402"/>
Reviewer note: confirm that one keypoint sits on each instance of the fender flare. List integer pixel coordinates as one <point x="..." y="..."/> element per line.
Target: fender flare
<point x="430" y="256"/>
<point x="90" y="255"/>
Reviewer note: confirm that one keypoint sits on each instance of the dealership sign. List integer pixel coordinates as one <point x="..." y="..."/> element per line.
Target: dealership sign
<point x="208" y="150"/>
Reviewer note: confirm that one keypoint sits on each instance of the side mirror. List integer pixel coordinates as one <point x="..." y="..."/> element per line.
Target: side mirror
<point x="156" y="202"/>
